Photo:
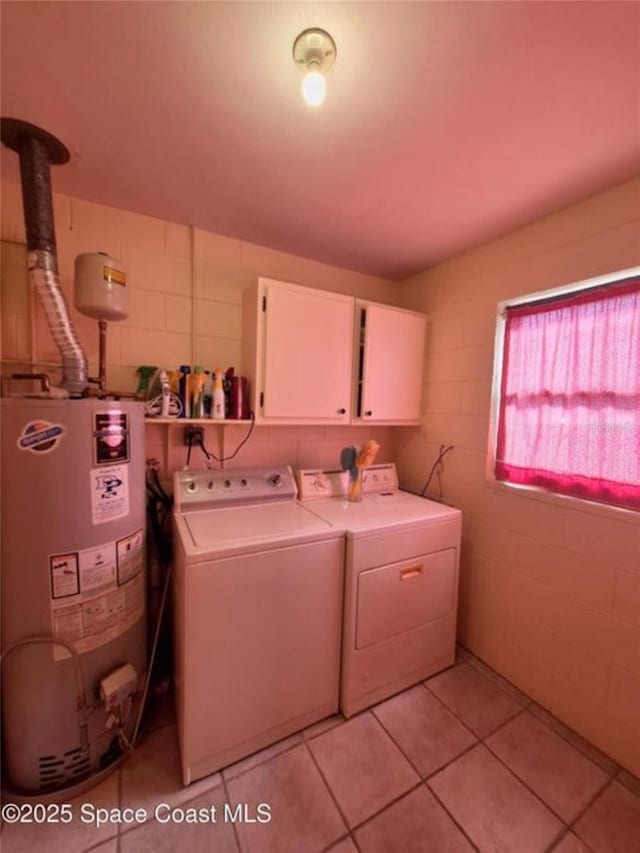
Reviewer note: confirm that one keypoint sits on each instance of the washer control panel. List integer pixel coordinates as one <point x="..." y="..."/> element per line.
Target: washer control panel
<point x="199" y="489"/>
<point x="333" y="483"/>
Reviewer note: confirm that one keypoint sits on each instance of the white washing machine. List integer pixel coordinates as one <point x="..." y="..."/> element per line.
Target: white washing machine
<point x="258" y="614"/>
<point x="401" y="582"/>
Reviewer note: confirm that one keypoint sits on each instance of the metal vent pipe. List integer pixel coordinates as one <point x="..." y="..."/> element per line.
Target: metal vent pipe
<point x="37" y="150"/>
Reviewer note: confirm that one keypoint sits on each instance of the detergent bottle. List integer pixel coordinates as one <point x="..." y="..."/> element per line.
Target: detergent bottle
<point x="218" y="401"/>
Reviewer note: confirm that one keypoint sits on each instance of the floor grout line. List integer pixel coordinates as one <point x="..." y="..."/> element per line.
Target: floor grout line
<point x="395" y="743"/>
<point x="442" y="767"/>
<point x="595" y="797"/>
<point x="467" y="725"/>
<point x="453" y="818"/>
<point x="328" y="787"/>
<point x="335" y="843"/>
<point x="422" y="778"/>
<point x="532" y="702"/>
<point x="566" y="826"/>
<point x="388" y="805"/>
<point x="227" y="799"/>
<point x="265" y="760"/>
<point x="525" y="784"/>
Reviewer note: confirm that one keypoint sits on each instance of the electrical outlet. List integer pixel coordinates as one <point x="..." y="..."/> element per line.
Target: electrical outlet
<point x="193" y="434"/>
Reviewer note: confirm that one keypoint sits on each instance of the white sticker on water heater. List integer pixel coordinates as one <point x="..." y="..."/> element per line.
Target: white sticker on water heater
<point x="97" y="567"/>
<point x="130" y="556"/>
<point x="102" y="606"/>
<point x="109" y="493"/>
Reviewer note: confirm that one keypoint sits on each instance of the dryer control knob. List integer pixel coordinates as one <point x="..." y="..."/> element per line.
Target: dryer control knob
<point x="192" y="486"/>
<point x="274" y="479"/>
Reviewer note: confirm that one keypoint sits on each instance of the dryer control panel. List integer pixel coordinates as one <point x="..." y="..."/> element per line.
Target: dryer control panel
<point x="333" y="483"/>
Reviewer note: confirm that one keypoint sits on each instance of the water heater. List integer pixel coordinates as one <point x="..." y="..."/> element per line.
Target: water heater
<point x="73" y="587"/>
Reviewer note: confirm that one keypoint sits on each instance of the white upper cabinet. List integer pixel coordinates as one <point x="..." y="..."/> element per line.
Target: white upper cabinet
<point x="316" y="357"/>
<point x="297" y="353"/>
<point x="389" y="360"/>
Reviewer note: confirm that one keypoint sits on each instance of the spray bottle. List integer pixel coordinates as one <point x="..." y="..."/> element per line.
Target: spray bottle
<point x="217" y="406"/>
<point x="166" y="395"/>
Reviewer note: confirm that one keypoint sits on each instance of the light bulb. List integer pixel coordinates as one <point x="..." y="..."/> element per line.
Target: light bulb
<point x="314" y="88"/>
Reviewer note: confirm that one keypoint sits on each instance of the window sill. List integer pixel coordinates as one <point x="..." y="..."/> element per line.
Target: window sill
<point x="629" y="516"/>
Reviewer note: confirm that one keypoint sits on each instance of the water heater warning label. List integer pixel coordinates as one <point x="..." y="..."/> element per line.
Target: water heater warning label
<point x="97" y="593"/>
<point x="65" y="577"/>
<point x="111" y="438"/>
<point x="130" y="556"/>
<point x="109" y="493"/>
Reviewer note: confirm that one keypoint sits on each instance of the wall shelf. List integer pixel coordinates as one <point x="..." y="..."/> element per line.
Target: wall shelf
<point x="173" y="424"/>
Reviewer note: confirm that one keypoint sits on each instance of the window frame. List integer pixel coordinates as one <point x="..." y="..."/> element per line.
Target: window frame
<point x="496" y="390"/>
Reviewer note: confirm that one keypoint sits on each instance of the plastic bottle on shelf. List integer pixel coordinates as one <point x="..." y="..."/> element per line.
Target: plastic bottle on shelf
<point x="218" y="401"/>
<point x="207" y="396"/>
<point x="196" y="392"/>
<point x="166" y="395"/>
<point x="185" y="370"/>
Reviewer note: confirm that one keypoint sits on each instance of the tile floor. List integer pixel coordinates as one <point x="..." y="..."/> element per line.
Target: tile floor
<point x="462" y="762"/>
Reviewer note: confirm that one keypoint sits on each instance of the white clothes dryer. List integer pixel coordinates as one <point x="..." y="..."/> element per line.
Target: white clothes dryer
<point x="401" y="581"/>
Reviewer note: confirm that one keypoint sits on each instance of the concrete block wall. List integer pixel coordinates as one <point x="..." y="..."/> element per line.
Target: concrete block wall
<point x="550" y="587"/>
<point x="185" y="292"/>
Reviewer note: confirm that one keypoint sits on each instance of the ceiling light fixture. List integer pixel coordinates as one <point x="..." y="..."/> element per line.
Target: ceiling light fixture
<point x="314" y="51"/>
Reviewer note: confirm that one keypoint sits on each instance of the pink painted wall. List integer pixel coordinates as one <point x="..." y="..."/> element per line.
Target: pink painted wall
<point x="185" y="292"/>
<point x="550" y="587"/>
<point x="299" y="446"/>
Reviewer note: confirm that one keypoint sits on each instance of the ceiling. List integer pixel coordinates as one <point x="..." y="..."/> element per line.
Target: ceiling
<point x="446" y="124"/>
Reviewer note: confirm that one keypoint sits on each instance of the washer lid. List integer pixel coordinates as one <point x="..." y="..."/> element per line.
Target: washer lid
<point x="382" y="510"/>
<point x="250" y="527"/>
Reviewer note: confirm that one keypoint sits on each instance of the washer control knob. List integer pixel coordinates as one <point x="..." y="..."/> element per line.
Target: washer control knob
<point x="275" y="479"/>
<point x="244" y="483"/>
<point x="227" y="484"/>
<point x="192" y="486"/>
<point x="211" y="485"/>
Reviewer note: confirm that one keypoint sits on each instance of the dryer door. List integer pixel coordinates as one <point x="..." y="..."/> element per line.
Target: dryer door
<point x="396" y="598"/>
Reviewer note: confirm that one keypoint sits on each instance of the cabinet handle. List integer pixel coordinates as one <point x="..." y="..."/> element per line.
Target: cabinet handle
<point x="368" y="413"/>
<point x="342" y="411"/>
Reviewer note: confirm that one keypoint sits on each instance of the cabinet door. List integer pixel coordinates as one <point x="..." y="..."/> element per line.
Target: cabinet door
<point x="392" y="360"/>
<point x="308" y="348"/>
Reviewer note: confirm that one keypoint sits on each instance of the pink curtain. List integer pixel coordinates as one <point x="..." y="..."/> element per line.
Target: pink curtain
<point x="570" y="400"/>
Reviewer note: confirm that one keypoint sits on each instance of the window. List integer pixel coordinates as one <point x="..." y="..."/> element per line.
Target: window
<point x="568" y="394"/>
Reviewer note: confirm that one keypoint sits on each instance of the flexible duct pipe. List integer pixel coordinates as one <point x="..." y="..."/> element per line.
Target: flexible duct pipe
<point x="37" y="150"/>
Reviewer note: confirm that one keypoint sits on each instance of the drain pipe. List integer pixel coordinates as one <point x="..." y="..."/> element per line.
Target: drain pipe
<point x="38" y="149"/>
